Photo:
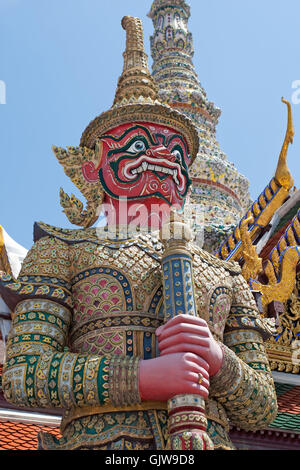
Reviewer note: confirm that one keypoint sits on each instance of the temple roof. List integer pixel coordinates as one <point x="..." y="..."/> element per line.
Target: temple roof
<point x="288" y="399"/>
<point x="278" y="225"/>
<point x="22" y="436"/>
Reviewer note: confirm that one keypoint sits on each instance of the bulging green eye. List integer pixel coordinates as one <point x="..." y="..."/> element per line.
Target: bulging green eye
<point x="136" y="147"/>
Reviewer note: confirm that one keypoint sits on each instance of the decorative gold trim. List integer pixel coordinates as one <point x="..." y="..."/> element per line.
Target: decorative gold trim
<point x="144" y="113"/>
<point x="280" y="291"/>
<point x="262" y="213"/>
<point x="252" y="263"/>
<point x="280" y="358"/>
<point x="76" y="413"/>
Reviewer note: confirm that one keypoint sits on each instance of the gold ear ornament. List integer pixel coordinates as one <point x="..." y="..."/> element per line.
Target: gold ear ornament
<point x="73" y="159"/>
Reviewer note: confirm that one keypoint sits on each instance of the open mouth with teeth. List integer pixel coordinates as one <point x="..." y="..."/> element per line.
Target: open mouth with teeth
<point x="162" y="167"/>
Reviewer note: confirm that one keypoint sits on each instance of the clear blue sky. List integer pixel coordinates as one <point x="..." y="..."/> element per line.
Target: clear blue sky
<point x="60" y="60"/>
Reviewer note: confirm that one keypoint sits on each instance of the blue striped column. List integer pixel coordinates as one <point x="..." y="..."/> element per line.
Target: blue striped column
<point x="179" y="296"/>
<point x="187" y="421"/>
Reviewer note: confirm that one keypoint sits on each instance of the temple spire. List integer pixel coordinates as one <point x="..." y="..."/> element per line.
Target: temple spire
<point x="172" y="51"/>
<point x="219" y="191"/>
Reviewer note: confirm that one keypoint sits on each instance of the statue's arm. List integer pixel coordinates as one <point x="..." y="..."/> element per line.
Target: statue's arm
<point x="244" y="384"/>
<point x="39" y="372"/>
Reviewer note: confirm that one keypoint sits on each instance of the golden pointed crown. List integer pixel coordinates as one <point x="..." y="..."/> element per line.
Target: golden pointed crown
<point x="136" y="98"/>
<point x="135" y="84"/>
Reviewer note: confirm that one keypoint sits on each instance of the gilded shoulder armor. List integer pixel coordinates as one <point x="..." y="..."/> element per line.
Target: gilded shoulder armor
<point x="69" y="236"/>
<point x="231" y="266"/>
<point x="45" y="274"/>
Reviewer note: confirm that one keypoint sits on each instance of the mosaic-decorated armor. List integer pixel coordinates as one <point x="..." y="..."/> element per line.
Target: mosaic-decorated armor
<point x="93" y="310"/>
<point x="87" y="306"/>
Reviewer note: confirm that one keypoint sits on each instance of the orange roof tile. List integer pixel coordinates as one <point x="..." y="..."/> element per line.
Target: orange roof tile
<point x="22" y="436"/>
<point x="289" y="402"/>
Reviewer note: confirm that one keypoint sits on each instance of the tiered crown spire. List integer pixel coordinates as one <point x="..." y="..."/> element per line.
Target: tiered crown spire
<point x="136" y="82"/>
<point x="136" y="98"/>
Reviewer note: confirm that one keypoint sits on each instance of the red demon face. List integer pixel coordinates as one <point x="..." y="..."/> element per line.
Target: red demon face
<point x="147" y="165"/>
<point x="145" y="162"/>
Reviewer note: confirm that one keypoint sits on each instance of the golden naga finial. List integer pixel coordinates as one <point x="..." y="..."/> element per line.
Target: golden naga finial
<point x="283" y="175"/>
<point x="136" y="83"/>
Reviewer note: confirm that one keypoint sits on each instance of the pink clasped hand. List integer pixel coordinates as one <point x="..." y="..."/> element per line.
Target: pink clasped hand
<point x="188" y="356"/>
<point x="186" y="333"/>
